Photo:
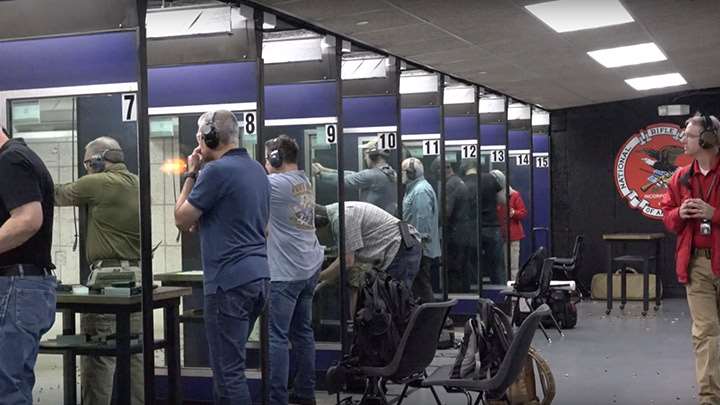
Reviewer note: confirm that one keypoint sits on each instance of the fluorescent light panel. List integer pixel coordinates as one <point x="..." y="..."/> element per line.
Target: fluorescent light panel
<point x="628" y="55"/>
<point x="418" y="83"/>
<point x="494" y="104"/>
<point x="540" y="117"/>
<point x="459" y="95"/>
<point x="292" y="50"/>
<point x="670" y="110"/>
<point x="181" y="21"/>
<point x="575" y="15"/>
<point x="517" y="111"/>
<point x="364" y="68"/>
<point x="656" y="82"/>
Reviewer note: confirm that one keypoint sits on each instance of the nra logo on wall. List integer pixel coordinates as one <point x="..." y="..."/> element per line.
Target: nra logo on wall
<point x="644" y="165"/>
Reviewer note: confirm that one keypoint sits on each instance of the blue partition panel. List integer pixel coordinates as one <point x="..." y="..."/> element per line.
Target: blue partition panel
<point x="492" y="134"/>
<point x="541" y="193"/>
<point x="217" y="83"/>
<point x="69" y="61"/>
<point x="459" y="128"/>
<point x="374" y="111"/>
<point x="424" y="120"/>
<point x="518" y="140"/>
<point x="305" y="100"/>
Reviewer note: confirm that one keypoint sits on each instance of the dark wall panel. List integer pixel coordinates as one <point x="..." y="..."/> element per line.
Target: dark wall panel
<point x="584" y="143"/>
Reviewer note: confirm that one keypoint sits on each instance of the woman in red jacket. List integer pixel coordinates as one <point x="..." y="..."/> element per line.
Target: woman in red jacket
<point x="518" y="212"/>
<point x="690" y="210"/>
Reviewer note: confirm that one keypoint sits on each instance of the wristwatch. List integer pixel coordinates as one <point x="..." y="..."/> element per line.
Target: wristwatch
<point x="189" y="175"/>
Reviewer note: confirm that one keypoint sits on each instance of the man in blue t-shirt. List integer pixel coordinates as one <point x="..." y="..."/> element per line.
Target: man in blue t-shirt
<point x="295" y="257"/>
<point x="226" y="195"/>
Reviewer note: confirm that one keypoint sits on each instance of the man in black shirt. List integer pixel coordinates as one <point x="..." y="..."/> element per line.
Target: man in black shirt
<point x="490" y="240"/>
<point x="27" y="286"/>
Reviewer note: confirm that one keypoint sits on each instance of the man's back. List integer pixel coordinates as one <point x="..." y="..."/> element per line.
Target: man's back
<point x="489" y="188"/>
<point x="112" y="198"/>
<point x="23" y="179"/>
<point x="370" y="232"/>
<point x="233" y="194"/>
<point x="293" y="249"/>
<point x="421" y="209"/>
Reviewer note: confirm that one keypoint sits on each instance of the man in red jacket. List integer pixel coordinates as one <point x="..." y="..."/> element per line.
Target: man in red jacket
<point x="690" y="210"/>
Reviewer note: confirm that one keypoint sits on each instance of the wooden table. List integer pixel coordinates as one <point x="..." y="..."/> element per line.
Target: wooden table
<point x="167" y="298"/>
<point x="635" y="238"/>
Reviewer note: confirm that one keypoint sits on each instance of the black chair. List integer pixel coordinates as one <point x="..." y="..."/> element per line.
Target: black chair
<point x="413" y="356"/>
<point x="512" y="363"/>
<point x="537" y="296"/>
<point x="569" y="267"/>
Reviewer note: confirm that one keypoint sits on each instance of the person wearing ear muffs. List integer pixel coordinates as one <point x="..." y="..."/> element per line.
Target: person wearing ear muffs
<point x="420" y="209"/>
<point x="376" y="184"/>
<point x="110" y="192"/>
<point x="295" y="258"/>
<point x="690" y="209"/>
<point x="226" y="197"/>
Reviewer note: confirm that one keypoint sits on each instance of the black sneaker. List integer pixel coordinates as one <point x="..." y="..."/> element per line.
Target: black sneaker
<point x="301" y="401"/>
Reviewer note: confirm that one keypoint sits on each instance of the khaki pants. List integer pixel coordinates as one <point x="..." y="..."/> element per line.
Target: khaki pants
<point x="703" y="294"/>
<point x="514" y="259"/>
<point x="97" y="372"/>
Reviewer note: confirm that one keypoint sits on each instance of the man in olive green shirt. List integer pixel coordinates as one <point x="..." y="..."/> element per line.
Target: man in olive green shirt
<point x="111" y="194"/>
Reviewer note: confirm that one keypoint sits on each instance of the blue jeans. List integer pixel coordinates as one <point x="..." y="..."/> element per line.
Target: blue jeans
<point x="406" y="264"/>
<point x="27" y="311"/>
<point x="229" y="318"/>
<point x="291" y="317"/>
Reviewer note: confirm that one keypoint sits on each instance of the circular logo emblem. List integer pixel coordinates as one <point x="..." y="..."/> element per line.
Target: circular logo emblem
<point x="644" y="165"/>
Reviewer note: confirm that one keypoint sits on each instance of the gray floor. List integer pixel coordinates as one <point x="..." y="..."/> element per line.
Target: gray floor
<point x="618" y="359"/>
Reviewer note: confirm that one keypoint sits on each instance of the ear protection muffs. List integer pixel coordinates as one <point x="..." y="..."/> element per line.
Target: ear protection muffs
<point x="709" y="135"/>
<point x="209" y="133"/>
<point x="97" y="162"/>
<point x="276" y="158"/>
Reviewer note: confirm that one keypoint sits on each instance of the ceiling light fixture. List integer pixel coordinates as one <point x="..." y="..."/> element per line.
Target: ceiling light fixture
<point x="671" y="110"/>
<point x="575" y="15"/>
<point x="656" y="81"/>
<point x="628" y="55"/>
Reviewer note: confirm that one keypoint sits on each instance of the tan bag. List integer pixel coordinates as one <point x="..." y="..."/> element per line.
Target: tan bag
<point x="634" y="281"/>
<point x="524" y="390"/>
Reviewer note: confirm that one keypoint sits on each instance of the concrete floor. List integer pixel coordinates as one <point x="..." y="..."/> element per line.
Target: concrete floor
<point x="618" y="359"/>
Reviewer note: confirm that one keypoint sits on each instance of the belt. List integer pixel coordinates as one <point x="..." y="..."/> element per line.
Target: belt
<point x="697" y="252"/>
<point x="116" y="263"/>
<point x="23" y="270"/>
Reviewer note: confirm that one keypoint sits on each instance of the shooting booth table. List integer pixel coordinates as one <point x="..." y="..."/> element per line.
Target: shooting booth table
<point x="167" y="298"/>
<point x="642" y="259"/>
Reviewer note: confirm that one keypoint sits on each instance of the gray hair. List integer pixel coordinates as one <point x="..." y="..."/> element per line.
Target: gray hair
<point x="417" y="166"/>
<point x="226" y="126"/>
<point x="99" y="145"/>
<point x="499" y="177"/>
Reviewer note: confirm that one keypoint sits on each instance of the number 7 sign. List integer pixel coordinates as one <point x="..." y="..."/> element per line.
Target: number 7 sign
<point x="129" y="107"/>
